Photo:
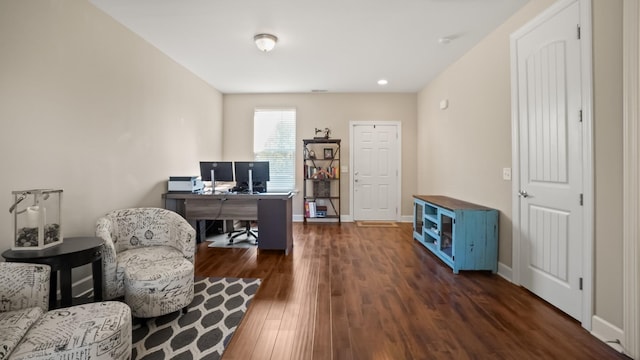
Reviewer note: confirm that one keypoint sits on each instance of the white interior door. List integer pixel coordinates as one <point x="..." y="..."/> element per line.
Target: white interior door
<point x="375" y="172"/>
<point x="550" y="159"/>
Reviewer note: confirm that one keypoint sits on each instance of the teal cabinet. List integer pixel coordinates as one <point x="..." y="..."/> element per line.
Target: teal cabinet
<point x="463" y="235"/>
<point x="418" y="222"/>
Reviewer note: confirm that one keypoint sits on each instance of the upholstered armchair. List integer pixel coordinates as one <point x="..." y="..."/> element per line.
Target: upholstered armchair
<point x="148" y="258"/>
<point x="29" y="331"/>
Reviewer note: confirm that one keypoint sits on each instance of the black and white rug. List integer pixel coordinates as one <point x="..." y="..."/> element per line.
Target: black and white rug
<point x="205" y="330"/>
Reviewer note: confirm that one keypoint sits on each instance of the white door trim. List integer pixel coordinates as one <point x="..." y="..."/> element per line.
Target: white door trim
<point x="587" y="138"/>
<point x="398" y="125"/>
<point x="631" y="178"/>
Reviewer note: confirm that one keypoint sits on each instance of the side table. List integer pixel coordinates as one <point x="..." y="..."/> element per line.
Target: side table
<point x="73" y="252"/>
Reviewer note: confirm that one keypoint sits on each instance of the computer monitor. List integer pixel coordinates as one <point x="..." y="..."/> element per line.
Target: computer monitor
<point x="252" y="174"/>
<point x="216" y="171"/>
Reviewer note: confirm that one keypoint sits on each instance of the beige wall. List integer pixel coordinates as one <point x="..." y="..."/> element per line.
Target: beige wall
<point x="466" y="146"/>
<point x="321" y="111"/>
<point x="607" y="88"/>
<point x="88" y="107"/>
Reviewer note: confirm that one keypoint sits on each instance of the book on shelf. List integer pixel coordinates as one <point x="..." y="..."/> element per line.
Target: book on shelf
<point x="312" y="209"/>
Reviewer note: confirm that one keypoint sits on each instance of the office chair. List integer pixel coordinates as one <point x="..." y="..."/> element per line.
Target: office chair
<point x="246" y="231"/>
<point x="257" y="187"/>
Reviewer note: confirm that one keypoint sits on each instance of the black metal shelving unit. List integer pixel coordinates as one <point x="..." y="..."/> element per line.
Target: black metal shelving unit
<point x="321" y="178"/>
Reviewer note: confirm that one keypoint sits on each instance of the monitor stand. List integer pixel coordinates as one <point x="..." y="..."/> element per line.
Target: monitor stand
<point x="213" y="181"/>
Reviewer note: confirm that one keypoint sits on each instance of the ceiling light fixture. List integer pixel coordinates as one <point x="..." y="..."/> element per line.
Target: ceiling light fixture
<point x="382" y="82"/>
<point x="265" y="42"/>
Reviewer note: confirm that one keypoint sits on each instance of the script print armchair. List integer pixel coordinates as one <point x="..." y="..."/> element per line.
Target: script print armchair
<point x="28" y="331"/>
<point x="147" y="259"/>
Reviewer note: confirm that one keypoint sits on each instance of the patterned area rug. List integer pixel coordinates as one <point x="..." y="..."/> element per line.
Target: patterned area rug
<point x="205" y="330"/>
<point x="376" y="224"/>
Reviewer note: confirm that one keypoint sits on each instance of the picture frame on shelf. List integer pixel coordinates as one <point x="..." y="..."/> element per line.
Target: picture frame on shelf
<point x="328" y="153"/>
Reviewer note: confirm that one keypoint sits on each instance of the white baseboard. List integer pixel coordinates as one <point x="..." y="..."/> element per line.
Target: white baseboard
<point x="607" y="333"/>
<point x="505" y="271"/>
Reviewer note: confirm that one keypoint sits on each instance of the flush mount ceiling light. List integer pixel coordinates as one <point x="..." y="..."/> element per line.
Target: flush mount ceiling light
<point x="383" y="82"/>
<point x="265" y="42"/>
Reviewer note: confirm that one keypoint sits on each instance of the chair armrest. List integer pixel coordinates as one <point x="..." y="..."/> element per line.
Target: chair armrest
<point x="104" y="230"/>
<point x="23" y="286"/>
<point x="183" y="235"/>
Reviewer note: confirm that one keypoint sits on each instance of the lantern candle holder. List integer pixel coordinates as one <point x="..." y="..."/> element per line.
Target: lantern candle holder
<point x="37" y="220"/>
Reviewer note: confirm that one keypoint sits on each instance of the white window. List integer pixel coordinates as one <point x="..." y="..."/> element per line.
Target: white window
<point x="274" y="140"/>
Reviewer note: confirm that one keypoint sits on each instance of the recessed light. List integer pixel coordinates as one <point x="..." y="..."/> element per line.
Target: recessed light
<point x="382" y="82"/>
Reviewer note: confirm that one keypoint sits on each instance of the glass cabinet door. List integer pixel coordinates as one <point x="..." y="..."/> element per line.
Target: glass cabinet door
<point x="418" y="222"/>
<point x="446" y="233"/>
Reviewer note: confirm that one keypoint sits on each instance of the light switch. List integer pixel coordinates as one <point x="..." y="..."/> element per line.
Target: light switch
<point x="344" y="169"/>
<point x="506" y="173"/>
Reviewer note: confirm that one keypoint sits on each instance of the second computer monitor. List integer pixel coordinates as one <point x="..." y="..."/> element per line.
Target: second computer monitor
<point x="216" y="171"/>
<point x="259" y="174"/>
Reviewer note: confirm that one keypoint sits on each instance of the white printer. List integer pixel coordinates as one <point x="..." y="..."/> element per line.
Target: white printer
<point x="185" y="184"/>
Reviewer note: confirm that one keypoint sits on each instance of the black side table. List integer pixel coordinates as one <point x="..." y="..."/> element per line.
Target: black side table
<point x="73" y="252"/>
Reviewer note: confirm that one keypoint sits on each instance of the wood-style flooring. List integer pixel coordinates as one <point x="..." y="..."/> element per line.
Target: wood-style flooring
<point x="349" y="292"/>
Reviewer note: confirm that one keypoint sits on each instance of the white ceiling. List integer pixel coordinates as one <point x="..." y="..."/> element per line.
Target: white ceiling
<point x="332" y="45"/>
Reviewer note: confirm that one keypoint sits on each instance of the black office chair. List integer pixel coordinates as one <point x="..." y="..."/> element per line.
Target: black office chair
<point x="258" y="187"/>
<point x="232" y="235"/>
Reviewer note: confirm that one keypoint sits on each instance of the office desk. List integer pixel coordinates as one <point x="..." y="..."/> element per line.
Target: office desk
<point x="273" y="211"/>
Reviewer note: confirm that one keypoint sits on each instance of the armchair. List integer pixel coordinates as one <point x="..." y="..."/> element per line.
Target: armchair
<point x="148" y="256"/>
<point x="28" y="331"/>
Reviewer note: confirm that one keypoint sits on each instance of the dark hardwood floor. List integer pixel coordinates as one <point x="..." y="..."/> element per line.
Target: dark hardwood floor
<point x="349" y="292"/>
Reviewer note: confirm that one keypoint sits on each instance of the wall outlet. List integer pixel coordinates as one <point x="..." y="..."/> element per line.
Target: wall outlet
<point x="506" y="173"/>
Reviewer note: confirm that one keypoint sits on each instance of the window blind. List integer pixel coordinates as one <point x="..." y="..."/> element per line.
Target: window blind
<point x="274" y="140"/>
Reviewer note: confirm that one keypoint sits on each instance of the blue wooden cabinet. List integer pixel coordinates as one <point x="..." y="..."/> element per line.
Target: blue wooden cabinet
<point x="463" y="235"/>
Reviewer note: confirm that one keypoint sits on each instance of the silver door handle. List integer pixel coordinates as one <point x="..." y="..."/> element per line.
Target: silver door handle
<point x="523" y="194"/>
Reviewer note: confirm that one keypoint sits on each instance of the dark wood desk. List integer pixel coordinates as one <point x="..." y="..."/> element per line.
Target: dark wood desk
<point x="73" y="252"/>
<point x="273" y="211"/>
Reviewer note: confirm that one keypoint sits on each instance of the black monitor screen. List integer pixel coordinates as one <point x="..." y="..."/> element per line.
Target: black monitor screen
<point x="259" y="171"/>
<point x="223" y="170"/>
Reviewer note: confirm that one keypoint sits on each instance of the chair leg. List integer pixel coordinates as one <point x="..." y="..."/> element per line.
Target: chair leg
<point x="247" y="231"/>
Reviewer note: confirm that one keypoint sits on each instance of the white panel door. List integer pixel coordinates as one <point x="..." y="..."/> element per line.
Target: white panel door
<point x="375" y="172"/>
<point x="551" y="170"/>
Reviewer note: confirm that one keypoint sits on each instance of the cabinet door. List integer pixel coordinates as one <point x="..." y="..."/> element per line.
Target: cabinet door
<point x="418" y="220"/>
<point x="446" y="220"/>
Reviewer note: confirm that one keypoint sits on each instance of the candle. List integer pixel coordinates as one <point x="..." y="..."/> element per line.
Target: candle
<point x="33" y="216"/>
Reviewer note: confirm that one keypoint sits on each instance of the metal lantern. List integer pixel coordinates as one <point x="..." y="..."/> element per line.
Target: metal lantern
<point x="37" y="220"/>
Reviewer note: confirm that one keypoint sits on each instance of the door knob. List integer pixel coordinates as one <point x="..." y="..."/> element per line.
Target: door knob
<point x="523" y="194"/>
